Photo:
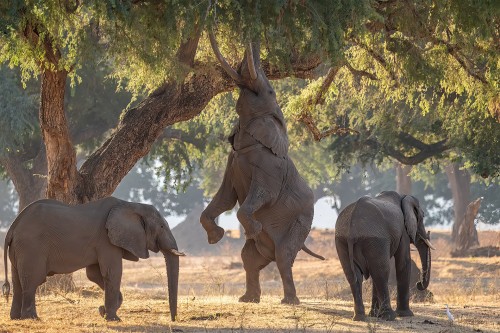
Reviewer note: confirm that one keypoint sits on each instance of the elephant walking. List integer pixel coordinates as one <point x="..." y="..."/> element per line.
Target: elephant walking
<point x="49" y="237"/>
<point x="276" y="204"/>
<point x="368" y="233"/>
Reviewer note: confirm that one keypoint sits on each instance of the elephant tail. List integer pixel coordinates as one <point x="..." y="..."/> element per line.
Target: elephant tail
<point x="311" y="253"/>
<point x="350" y="245"/>
<point x="6" y="285"/>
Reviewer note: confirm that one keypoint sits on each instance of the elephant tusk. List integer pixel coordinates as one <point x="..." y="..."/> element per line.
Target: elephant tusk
<point x="413" y="249"/>
<point x="429" y="244"/>
<point x="177" y="253"/>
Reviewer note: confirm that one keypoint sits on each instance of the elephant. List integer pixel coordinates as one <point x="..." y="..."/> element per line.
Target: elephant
<point x="49" y="237"/>
<point x="276" y="204"/>
<point x="368" y="233"/>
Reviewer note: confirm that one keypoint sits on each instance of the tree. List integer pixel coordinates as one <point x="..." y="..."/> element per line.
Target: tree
<point x="93" y="107"/>
<point x="170" y="63"/>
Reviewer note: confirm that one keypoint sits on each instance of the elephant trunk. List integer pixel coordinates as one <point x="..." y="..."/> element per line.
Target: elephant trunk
<point x="424" y="251"/>
<point x="172" y="263"/>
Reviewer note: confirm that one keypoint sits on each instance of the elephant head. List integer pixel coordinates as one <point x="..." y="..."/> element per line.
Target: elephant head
<point x="414" y="223"/>
<point x="139" y="228"/>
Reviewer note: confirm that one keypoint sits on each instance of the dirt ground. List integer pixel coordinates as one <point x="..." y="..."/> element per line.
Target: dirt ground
<point x="210" y="287"/>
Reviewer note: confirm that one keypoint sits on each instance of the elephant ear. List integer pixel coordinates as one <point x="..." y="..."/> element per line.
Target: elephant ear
<point x="409" y="205"/>
<point x="269" y="132"/>
<point x="126" y="230"/>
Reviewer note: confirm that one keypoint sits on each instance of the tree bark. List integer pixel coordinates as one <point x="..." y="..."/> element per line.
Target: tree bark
<point x="30" y="183"/>
<point x="403" y="179"/>
<point x="63" y="179"/>
<point x="467" y="233"/>
<point x="459" y="181"/>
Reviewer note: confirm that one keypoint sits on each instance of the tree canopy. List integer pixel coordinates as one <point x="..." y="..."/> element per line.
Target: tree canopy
<point x="401" y="78"/>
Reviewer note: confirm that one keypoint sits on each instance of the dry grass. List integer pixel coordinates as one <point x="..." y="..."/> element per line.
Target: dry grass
<point x="210" y="287"/>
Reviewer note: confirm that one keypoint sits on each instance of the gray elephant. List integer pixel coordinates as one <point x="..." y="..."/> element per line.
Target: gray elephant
<point x="276" y="204"/>
<point x="368" y="233"/>
<point x="49" y="237"/>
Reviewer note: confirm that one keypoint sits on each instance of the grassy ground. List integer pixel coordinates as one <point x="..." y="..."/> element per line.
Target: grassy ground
<point x="210" y="287"/>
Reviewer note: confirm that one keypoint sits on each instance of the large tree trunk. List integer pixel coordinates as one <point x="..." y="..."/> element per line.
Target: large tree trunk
<point x="467" y="233"/>
<point x="403" y="179"/>
<point x="459" y="181"/>
<point x="63" y="178"/>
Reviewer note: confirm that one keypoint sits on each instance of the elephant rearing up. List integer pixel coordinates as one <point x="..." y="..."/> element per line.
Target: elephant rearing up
<point x="276" y="204"/>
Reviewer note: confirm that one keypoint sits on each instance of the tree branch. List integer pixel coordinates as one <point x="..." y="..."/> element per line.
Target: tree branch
<point x="143" y="125"/>
<point x="424" y="153"/>
<point x="177" y="134"/>
<point x="306" y="116"/>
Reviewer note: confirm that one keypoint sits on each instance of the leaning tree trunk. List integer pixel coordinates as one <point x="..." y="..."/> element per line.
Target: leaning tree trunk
<point x="403" y="179"/>
<point x="459" y="181"/>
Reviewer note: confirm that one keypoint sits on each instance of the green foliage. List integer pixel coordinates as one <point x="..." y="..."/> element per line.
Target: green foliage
<point x="18" y="112"/>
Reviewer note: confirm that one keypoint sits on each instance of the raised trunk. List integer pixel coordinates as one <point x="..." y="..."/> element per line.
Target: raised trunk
<point x="459" y="181"/>
<point x="424" y="252"/>
<point x="172" y="263"/>
<point x="63" y="179"/>
<point x="403" y="179"/>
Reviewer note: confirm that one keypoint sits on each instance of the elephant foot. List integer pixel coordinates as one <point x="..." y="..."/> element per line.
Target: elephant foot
<point x="215" y="235"/>
<point x="102" y="311"/>
<point x="359" y="317"/>
<point x="388" y="315"/>
<point x="290" y="300"/>
<point x="112" y="318"/>
<point x="15" y="315"/>
<point x="404" y="313"/>
<point x="29" y="316"/>
<point x="249" y="299"/>
<point x="374" y="312"/>
<point x="253" y="230"/>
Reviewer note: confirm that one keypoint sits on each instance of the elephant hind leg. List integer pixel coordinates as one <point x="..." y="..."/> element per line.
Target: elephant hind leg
<point x="286" y="252"/>
<point x="94" y="275"/>
<point x="31" y="279"/>
<point x="253" y="262"/>
<point x="380" y="276"/>
<point x="355" y="279"/>
<point x="375" y="309"/>
<point x="17" y="300"/>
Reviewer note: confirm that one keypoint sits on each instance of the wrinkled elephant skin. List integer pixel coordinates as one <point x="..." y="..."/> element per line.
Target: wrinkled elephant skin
<point x="276" y="204"/>
<point x="368" y="233"/>
<point x="49" y="237"/>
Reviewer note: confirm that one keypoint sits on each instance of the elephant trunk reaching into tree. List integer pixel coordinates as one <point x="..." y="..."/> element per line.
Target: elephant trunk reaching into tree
<point x="276" y="204"/>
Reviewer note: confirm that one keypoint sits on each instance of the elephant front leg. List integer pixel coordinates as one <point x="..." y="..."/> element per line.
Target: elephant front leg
<point x="403" y="272"/>
<point x="257" y="197"/>
<point x="224" y="200"/>
<point x="94" y="275"/>
<point x="112" y="299"/>
<point x="253" y="262"/>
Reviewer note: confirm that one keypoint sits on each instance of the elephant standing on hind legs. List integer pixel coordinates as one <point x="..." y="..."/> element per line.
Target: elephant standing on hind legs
<point x="368" y="233"/>
<point x="276" y="204"/>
